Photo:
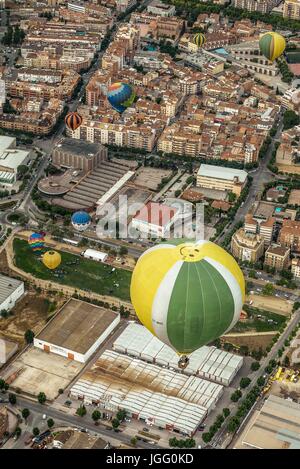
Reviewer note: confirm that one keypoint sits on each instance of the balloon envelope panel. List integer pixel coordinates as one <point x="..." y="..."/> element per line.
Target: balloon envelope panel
<point x="187" y="295"/>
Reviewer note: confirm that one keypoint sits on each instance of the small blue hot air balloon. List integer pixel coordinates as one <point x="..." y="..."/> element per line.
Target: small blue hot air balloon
<point x="121" y="96"/>
<point x="81" y="220"/>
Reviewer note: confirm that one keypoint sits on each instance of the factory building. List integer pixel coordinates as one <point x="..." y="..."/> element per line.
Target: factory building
<point x="155" y="395"/>
<point x="11" y="291"/>
<point x="77" y="330"/>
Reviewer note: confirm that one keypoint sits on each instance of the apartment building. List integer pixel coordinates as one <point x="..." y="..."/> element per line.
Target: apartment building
<point x="278" y="257"/>
<point x="169" y="27"/>
<point x="247" y="246"/>
<point x="265" y="228"/>
<point x="296" y="267"/>
<point x="263" y="6"/>
<point x="161" y="9"/>
<point x="290" y="235"/>
<point x="291" y="9"/>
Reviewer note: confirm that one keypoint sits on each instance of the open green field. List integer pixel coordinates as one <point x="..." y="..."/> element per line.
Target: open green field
<point x="260" y="324"/>
<point x="75" y="271"/>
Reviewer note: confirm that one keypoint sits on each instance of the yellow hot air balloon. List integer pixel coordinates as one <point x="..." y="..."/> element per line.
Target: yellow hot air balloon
<point x="199" y="39"/>
<point x="272" y="45"/>
<point x="51" y="259"/>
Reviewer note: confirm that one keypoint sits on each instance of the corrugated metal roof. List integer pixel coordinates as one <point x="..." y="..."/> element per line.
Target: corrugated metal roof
<point x="151" y="392"/>
<point x="221" y="366"/>
<point x="7" y="287"/>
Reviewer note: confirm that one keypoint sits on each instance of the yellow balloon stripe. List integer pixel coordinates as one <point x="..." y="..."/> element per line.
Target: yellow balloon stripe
<point x="218" y="254"/>
<point x="163" y="259"/>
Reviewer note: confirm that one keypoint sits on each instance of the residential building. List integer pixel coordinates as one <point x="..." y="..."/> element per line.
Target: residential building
<point x="263" y="6"/>
<point x="247" y="246"/>
<point x="290" y="235"/>
<point x="265" y="228"/>
<point x="123" y="5"/>
<point x="221" y="178"/>
<point x="278" y="257"/>
<point x="291" y="9"/>
<point x="159" y="8"/>
<point x="296" y="267"/>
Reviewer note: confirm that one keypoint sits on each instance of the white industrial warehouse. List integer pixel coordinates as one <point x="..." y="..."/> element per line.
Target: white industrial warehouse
<point x="10" y="292"/>
<point x="77" y="330"/>
<point x="207" y="362"/>
<point x="147" y="392"/>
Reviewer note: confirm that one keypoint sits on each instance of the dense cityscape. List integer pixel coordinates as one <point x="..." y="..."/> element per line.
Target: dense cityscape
<point x="149" y="225"/>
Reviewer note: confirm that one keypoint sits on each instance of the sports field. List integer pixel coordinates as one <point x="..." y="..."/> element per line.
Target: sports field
<point x="75" y="271"/>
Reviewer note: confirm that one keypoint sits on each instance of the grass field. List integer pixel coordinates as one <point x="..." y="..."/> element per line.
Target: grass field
<point x="83" y="274"/>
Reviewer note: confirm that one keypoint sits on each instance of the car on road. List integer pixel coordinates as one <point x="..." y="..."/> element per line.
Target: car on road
<point x="145" y="429"/>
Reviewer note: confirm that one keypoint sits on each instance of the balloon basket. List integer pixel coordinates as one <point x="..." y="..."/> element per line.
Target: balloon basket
<point x="183" y="362"/>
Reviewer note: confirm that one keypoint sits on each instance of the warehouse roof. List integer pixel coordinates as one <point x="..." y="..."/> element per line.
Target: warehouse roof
<point x="220" y="172"/>
<point x="12" y="158"/>
<point x="7" y="287"/>
<point x="275" y="426"/>
<point x="218" y="365"/>
<point x="166" y="397"/>
<point x="77" y="326"/>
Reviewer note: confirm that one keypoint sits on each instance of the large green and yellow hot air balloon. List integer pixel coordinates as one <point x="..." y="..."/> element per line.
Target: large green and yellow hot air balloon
<point x="272" y="45"/>
<point x="199" y="39"/>
<point x="51" y="259"/>
<point x="187" y="294"/>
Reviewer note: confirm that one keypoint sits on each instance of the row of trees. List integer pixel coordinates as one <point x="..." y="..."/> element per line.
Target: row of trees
<point x="13" y="36"/>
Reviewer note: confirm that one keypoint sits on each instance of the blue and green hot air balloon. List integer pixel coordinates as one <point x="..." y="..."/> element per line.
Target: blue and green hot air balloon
<point x="121" y="96"/>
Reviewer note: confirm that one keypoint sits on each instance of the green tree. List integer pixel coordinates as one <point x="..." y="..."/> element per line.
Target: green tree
<point x="290" y="119"/>
<point x="96" y="415"/>
<point x="268" y="289"/>
<point x="226" y="412"/>
<point x="261" y="381"/>
<point x="123" y="250"/>
<point x="121" y="415"/>
<point x="133" y="441"/>
<point x="12" y="399"/>
<point x="42" y="398"/>
<point x="25" y="413"/>
<point x="115" y="423"/>
<point x="255" y="366"/>
<point x="50" y="423"/>
<point x="18" y="431"/>
<point x="206" y="437"/>
<point x="245" y="382"/>
<point x="233" y="424"/>
<point x="81" y="411"/>
<point x="36" y="431"/>
<point x="29" y="336"/>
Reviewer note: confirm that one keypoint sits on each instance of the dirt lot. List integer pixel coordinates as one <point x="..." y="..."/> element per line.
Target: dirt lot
<point x="271" y="303"/>
<point x="42" y="372"/>
<point x="253" y="340"/>
<point x="151" y="177"/>
<point x="292" y="169"/>
<point x="294" y="198"/>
